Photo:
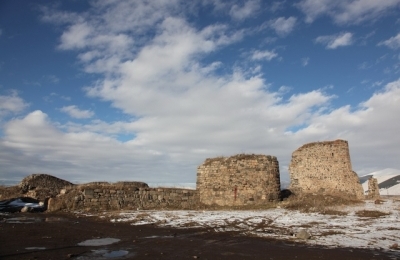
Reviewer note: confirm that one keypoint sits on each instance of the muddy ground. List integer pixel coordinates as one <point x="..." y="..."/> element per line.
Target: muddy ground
<point x="57" y="235"/>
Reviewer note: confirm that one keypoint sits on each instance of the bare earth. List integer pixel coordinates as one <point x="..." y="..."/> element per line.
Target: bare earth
<point x="56" y="236"/>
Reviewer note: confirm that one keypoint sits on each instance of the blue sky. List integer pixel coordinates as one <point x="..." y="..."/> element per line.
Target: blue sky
<point x="147" y="90"/>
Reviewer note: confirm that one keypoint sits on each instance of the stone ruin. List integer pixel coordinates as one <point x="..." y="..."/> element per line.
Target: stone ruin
<point x="239" y="180"/>
<point x="42" y="186"/>
<point x="245" y="179"/>
<point x="122" y="195"/>
<point x="373" y="189"/>
<point x="38" y="186"/>
<point x="324" y="168"/>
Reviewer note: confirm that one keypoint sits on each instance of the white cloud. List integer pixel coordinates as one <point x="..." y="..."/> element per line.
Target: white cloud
<point x="242" y="12"/>
<point x="75" y="112"/>
<point x="371" y="128"/>
<point x="11" y="104"/>
<point x="347" y="11"/>
<point x="264" y="55"/>
<point x="336" y="40"/>
<point x="283" y="26"/>
<point x="305" y="61"/>
<point x="315" y="8"/>
<point x="392" y="42"/>
<point x="277" y="6"/>
<point x="75" y="37"/>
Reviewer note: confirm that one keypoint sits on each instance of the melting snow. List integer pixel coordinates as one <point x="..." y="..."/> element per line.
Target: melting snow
<point x="347" y="230"/>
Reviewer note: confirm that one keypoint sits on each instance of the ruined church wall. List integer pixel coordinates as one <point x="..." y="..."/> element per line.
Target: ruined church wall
<point x="239" y="180"/>
<point x="324" y="168"/>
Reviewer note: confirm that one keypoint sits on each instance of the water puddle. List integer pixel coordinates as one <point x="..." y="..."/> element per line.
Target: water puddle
<point x="99" y="242"/>
<point x="55" y="219"/>
<point x="171" y="236"/>
<point x="118" y="253"/>
<point x="104" y="254"/>
<point x="35" y="248"/>
<point x="22" y="220"/>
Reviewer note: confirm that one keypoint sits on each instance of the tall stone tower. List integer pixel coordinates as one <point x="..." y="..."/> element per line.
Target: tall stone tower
<point x="324" y="168"/>
<point x="239" y="180"/>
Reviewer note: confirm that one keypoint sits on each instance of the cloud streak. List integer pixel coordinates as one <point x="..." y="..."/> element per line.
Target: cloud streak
<point x="336" y="40"/>
<point x="346" y="11"/>
<point x="75" y="112"/>
<point x="392" y="42"/>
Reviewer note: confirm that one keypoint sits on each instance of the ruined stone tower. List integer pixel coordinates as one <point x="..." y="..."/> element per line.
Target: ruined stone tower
<point x="239" y="180"/>
<point x="324" y="168"/>
<point x="373" y="189"/>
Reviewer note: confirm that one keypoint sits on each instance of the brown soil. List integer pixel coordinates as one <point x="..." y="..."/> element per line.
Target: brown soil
<point x="60" y="233"/>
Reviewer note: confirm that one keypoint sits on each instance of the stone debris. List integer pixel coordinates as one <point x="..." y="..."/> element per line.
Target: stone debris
<point x="303" y="234"/>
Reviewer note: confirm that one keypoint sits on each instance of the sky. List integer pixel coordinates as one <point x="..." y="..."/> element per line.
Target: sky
<point x="108" y="90"/>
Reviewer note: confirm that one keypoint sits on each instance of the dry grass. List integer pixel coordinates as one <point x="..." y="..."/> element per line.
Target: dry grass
<point x="318" y="203"/>
<point x="371" y="213"/>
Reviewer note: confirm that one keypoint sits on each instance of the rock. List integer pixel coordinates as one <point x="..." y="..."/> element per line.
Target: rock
<point x="303" y="234"/>
<point x="25" y="209"/>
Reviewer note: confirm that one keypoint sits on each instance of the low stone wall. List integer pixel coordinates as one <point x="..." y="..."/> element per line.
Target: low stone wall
<point x="127" y="197"/>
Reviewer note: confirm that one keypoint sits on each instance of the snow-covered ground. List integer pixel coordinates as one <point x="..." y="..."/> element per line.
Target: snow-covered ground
<point x="336" y="230"/>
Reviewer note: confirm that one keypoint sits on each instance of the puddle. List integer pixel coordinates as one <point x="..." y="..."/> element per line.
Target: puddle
<point x="118" y="253"/>
<point x="172" y="236"/>
<point x="55" y="219"/>
<point x="99" y="242"/>
<point x="104" y="254"/>
<point x="35" y="248"/>
<point x="22" y="220"/>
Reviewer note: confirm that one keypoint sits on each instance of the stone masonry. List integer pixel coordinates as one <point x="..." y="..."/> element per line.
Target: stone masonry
<point x="373" y="189"/>
<point x="126" y="195"/>
<point x="239" y="180"/>
<point x="38" y="186"/>
<point x="324" y="168"/>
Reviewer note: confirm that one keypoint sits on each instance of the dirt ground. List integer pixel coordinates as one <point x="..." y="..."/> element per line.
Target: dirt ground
<point x="56" y="236"/>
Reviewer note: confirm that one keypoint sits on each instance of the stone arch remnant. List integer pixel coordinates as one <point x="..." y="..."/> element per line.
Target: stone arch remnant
<point x="324" y="168"/>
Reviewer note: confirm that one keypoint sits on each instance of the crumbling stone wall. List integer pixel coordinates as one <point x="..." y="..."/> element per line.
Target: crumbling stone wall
<point x="38" y="186"/>
<point x="128" y="196"/>
<point x="324" y="168"/>
<point x="239" y="180"/>
<point x="373" y="189"/>
<point x="42" y="186"/>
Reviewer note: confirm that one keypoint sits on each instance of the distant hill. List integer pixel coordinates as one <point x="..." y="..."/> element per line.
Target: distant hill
<point x="388" y="181"/>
